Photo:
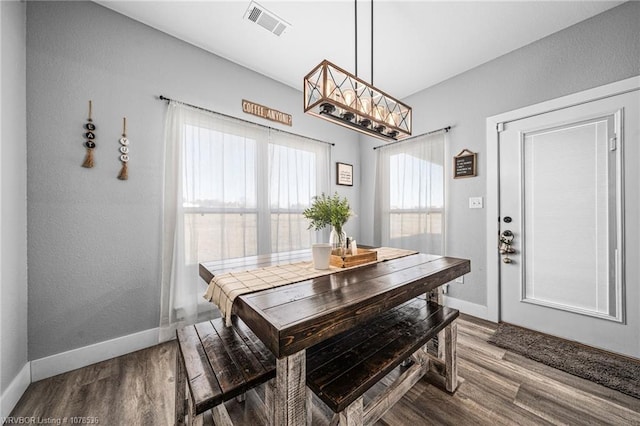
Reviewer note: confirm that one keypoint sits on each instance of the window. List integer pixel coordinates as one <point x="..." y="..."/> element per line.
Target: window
<point x="232" y="189"/>
<point x="410" y="195"/>
<point x="220" y="197"/>
<point x="235" y="205"/>
<point x="416" y="200"/>
<point x="293" y="180"/>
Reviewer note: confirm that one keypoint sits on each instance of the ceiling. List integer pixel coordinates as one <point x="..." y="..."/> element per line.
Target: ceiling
<point x="416" y="43"/>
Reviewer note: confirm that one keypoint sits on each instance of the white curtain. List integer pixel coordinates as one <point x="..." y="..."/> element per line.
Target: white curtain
<point x="298" y="170"/>
<point x="409" y="204"/>
<point x="231" y="189"/>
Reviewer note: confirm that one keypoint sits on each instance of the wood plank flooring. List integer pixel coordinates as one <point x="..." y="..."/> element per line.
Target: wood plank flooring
<point x="499" y="388"/>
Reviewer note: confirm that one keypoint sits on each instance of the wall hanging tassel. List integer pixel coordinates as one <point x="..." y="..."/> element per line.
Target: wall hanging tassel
<point x="124" y="151"/>
<point x="90" y="135"/>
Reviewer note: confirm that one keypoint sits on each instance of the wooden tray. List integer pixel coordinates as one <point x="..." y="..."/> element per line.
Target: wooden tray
<point x="363" y="256"/>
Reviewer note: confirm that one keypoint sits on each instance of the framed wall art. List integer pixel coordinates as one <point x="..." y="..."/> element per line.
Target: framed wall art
<point x="344" y="174"/>
<point x="464" y="164"/>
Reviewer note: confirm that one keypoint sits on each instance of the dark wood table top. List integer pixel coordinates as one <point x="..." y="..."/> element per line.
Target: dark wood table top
<point x="207" y="270"/>
<point x="297" y="316"/>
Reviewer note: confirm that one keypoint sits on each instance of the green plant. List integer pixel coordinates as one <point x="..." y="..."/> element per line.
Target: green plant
<point x="328" y="210"/>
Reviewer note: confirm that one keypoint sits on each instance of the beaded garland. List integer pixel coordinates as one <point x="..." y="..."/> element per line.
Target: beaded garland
<point x="124" y="151"/>
<point x="90" y="135"/>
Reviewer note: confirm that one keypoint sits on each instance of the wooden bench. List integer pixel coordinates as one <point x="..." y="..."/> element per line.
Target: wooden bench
<point x="341" y="369"/>
<point x="217" y="363"/>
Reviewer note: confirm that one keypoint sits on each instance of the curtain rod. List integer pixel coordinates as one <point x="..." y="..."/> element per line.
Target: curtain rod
<point x="444" y="129"/>
<point x="164" y="98"/>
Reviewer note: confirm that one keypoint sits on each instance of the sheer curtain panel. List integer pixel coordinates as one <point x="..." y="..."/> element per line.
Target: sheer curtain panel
<point x="231" y="189"/>
<point x="409" y="204"/>
<point x="298" y="170"/>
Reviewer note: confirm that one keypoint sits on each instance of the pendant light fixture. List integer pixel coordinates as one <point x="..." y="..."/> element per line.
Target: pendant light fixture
<point x="335" y="94"/>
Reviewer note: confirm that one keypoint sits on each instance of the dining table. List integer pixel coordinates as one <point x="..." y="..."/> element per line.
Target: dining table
<point x="292" y="318"/>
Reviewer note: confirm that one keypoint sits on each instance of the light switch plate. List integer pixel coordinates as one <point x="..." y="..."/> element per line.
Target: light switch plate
<point x="475" y="202"/>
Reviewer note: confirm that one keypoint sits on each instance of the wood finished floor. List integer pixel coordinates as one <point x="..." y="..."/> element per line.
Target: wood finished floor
<point x="499" y="388"/>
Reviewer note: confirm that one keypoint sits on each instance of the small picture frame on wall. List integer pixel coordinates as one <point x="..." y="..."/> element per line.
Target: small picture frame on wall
<point x="464" y="164"/>
<point x="344" y="174"/>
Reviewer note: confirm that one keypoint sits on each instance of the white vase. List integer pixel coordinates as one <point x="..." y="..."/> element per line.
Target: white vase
<point x="321" y="255"/>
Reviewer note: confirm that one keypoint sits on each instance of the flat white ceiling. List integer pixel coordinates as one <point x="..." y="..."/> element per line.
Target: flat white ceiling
<point x="416" y="43"/>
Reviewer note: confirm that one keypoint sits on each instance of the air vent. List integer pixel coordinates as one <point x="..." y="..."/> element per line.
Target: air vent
<point x="266" y="19"/>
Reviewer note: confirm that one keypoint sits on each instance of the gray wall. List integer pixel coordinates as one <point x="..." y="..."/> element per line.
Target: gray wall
<point x="94" y="241"/>
<point x="13" y="196"/>
<point x="597" y="51"/>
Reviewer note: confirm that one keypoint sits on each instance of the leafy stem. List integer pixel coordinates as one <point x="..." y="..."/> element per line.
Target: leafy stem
<point x="328" y="210"/>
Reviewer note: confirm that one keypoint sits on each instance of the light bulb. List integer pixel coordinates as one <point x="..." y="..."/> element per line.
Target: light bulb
<point x="330" y="90"/>
<point x="349" y="97"/>
<point x="380" y="113"/>
<point x="365" y="106"/>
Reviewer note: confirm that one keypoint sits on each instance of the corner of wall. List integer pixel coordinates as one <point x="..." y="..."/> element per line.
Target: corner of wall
<point x="15" y="369"/>
<point x="15" y="390"/>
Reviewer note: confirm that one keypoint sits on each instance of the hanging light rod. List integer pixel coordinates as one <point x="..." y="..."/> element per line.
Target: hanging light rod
<point x="336" y="95"/>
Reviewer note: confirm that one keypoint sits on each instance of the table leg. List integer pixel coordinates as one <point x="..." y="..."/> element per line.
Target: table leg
<point x="309" y="407"/>
<point x="450" y="354"/>
<point x="290" y="393"/>
<point x="269" y="401"/>
<point x="436" y="296"/>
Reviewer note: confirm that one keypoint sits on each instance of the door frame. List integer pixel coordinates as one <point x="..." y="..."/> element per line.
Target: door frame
<point x="493" y="171"/>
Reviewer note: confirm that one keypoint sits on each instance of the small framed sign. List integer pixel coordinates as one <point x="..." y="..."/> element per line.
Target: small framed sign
<point x="344" y="174"/>
<point x="464" y="164"/>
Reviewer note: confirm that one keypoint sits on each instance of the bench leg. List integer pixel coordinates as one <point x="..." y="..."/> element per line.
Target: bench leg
<point x="221" y="416"/>
<point x="290" y="399"/>
<point x="180" y="383"/>
<point x="335" y="420"/>
<point x="353" y="414"/>
<point x="194" y="420"/>
<point x="450" y="356"/>
<point x="378" y="406"/>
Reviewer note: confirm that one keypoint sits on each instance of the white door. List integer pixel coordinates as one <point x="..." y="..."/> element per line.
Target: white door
<point x="569" y="189"/>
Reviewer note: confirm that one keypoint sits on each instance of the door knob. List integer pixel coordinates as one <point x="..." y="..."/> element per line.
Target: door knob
<point x="506" y="241"/>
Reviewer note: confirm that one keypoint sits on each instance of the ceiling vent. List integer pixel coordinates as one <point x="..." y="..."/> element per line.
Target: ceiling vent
<point x="266" y="19"/>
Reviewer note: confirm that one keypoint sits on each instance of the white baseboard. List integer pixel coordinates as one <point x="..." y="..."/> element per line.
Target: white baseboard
<point x="77" y="358"/>
<point x="473" y="309"/>
<point x="15" y="390"/>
